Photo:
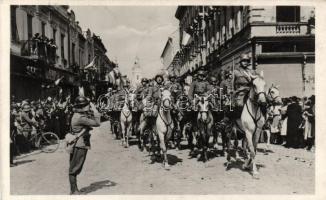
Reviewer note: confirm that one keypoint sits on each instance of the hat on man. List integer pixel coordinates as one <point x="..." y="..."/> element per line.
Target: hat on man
<point x="81" y="102"/>
<point x="201" y="72"/>
<point x="244" y="57"/>
<point x="212" y="79"/>
<point x="159" y="76"/>
<point x="144" y="80"/>
<point x="26" y="107"/>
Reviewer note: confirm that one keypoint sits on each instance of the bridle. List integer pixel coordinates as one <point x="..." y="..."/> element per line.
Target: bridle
<point x="270" y="94"/>
<point x="164" y="108"/>
<point x="200" y="113"/>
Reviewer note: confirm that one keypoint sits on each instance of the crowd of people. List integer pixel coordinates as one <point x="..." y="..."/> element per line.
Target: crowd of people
<point x="43" y="47"/>
<point x="27" y="117"/>
<point x="296" y="125"/>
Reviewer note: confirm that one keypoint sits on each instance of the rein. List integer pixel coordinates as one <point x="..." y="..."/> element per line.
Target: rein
<point x="166" y="123"/>
<point x="254" y="118"/>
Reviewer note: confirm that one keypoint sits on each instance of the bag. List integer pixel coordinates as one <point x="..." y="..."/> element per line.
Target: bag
<point x="71" y="140"/>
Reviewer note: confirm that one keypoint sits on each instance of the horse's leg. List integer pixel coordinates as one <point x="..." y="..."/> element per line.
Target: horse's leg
<point x="255" y="143"/>
<point x="236" y="143"/>
<point x="207" y="134"/>
<point x="228" y="147"/>
<point x="268" y="142"/>
<point x="160" y="134"/>
<point x="187" y="132"/>
<point x="224" y="141"/>
<point x="123" y="130"/>
<point x="128" y="131"/>
<point x="141" y="132"/>
<point x="215" y="136"/>
<point x="252" y="154"/>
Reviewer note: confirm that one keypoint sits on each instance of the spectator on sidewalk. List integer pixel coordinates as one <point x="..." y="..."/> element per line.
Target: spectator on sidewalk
<point x="294" y="115"/>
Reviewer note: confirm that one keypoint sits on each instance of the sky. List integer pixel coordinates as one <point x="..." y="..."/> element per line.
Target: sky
<point x="130" y="31"/>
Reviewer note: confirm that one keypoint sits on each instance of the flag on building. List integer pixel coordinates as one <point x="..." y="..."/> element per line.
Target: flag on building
<point x="56" y="82"/>
<point x="186" y="38"/>
<point x="91" y="65"/>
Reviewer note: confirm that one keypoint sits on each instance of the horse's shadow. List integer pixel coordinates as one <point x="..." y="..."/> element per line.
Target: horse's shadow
<point x="264" y="151"/>
<point x="97" y="186"/>
<point x="133" y="142"/>
<point x="172" y="159"/>
<point x="238" y="164"/>
<point x="211" y="154"/>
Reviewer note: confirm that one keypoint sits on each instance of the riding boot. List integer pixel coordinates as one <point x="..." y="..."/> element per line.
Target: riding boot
<point x="73" y="185"/>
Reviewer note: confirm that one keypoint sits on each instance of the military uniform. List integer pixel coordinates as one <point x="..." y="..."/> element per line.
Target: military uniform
<point x="27" y="122"/>
<point x="176" y="90"/>
<point x="198" y="87"/>
<point x="242" y="81"/>
<point x="81" y="120"/>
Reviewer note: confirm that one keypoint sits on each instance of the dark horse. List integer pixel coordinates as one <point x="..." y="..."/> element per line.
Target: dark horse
<point x="204" y="123"/>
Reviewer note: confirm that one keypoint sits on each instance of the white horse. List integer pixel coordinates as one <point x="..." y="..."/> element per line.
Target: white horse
<point x="252" y="120"/>
<point x="126" y="121"/>
<point x="164" y="123"/>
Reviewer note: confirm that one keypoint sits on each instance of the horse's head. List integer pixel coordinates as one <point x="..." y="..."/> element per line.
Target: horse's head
<point x="166" y="99"/>
<point x="204" y="105"/>
<point x="259" y="88"/>
<point x="274" y="94"/>
<point x="132" y="99"/>
<point x="182" y="102"/>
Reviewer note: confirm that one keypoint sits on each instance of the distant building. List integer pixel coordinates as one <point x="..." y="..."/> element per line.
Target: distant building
<point x="136" y="73"/>
<point x="171" y="49"/>
<point x="279" y="39"/>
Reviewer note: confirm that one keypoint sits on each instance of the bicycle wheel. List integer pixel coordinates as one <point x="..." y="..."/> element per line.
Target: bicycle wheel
<point x="49" y="142"/>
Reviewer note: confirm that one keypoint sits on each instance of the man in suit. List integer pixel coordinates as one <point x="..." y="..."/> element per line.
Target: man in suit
<point x="294" y="114"/>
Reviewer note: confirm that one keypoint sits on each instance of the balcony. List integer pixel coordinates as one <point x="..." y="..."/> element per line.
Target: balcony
<point x="39" y="50"/>
<point x="288" y="29"/>
<point x="280" y="29"/>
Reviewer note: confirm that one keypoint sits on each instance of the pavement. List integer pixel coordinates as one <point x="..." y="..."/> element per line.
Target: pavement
<point x="112" y="169"/>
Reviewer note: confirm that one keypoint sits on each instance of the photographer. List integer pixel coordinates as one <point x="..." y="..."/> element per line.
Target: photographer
<point x="84" y="118"/>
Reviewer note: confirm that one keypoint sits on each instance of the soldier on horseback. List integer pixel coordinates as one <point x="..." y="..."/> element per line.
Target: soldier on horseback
<point x="242" y="82"/>
<point x="200" y="87"/>
<point x="176" y="90"/>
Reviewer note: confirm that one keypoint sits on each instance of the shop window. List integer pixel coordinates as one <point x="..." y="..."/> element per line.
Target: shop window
<point x="14" y="31"/>
<point x="29" y="26"/>
<point x="73" y="52"/>
<point x="62" y="46"/>
<point x="43" y="28"/>
<point x="54" y="33"/>
<point x="287" y="13"/>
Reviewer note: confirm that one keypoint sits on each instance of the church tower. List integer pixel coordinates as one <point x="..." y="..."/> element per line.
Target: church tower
<point x="136" y="73"/>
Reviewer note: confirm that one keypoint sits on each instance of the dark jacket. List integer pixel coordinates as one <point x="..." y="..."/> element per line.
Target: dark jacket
<point x="199" y="88"/>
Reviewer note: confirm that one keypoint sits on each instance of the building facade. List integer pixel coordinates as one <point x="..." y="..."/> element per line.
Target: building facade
<point x="47" y="44"/>
<point x="169" y="56"/>
<point x="279" y="39"/>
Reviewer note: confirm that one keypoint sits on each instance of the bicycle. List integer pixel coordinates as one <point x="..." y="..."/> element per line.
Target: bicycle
<point x="47" y="142"/>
